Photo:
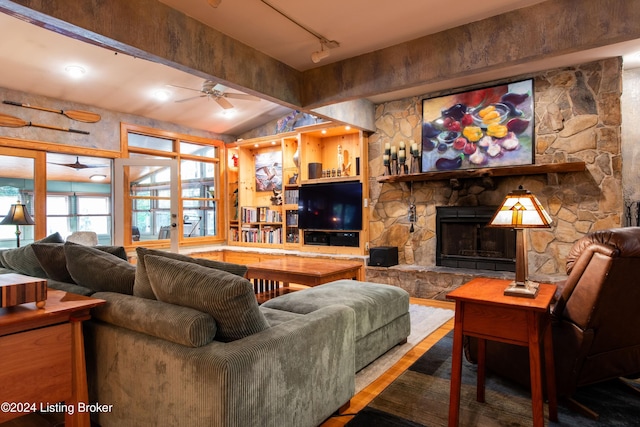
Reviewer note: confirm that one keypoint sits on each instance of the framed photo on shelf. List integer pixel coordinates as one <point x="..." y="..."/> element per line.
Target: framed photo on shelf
<point x="488" y="127"/>
<point x="269" y="171"/>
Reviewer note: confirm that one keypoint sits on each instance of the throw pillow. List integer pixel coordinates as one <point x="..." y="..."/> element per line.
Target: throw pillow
<point x="98" y="270"/>
<point x="23" y="260"/>
<point x="142" y="287"/>
<point x="51" y="238"/>
<point x="118" y="251"/>
<point x="228" y="298"/>
<point x="54" y="262"/>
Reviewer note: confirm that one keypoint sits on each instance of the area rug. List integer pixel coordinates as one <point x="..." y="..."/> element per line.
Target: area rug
<point x="420" y="397"/>
<point x="424" y="320"/>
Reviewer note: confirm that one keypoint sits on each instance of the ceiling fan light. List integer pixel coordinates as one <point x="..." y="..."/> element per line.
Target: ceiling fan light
<point x="98" y="177"/>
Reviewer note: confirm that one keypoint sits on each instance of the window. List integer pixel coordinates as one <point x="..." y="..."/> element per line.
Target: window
<point x="199" y="189"/>
<point x="69" y="213"/>
<point x="76" y="201"/>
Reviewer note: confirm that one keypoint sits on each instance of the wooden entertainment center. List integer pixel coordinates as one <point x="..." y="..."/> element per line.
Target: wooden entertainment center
<point x="286" y="162"/>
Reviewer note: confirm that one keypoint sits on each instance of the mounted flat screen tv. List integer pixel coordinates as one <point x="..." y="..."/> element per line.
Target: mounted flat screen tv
<point x="331" y="206"/>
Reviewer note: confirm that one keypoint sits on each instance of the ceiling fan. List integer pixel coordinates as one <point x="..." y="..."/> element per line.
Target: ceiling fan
<point x="77" y="165"/>
<point x="209" y="91"/>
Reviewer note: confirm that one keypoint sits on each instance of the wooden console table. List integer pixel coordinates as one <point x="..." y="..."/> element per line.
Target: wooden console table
<point x="484" y="312"/>
<point x="42" y="353"/>
<point x="274" y="276"/>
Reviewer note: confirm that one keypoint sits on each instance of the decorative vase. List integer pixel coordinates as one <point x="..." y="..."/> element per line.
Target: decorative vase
<point x="296" y="157"/>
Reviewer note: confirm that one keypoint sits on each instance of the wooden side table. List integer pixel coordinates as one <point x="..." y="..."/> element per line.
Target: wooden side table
<point x="484" y="312"/>
<point x="42" y="353"/>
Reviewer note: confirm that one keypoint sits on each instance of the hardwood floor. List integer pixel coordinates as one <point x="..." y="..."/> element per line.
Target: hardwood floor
<point x="362" y="399"/>
<point x="358" y="402"/>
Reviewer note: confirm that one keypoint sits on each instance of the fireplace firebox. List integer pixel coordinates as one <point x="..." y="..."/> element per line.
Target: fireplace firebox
<point x="465" y="241"/>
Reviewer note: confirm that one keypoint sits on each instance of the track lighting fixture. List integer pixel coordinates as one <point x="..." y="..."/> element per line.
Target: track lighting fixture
<point x="324" y="52"/>
<point x="319" y="55"/>
<point x="325" y="44"/>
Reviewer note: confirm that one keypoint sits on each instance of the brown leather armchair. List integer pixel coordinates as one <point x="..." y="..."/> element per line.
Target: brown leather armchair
<point x="595" y="318"/>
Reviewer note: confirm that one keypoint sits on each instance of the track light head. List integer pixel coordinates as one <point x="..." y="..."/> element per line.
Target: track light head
<point x="214" y="3"/>
<point x="319" y="55"/>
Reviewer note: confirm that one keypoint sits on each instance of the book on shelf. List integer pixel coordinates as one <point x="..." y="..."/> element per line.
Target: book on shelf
<point x="260" y="214"/>
<point x="292" y="218"/>
<point x="291" y="197"/>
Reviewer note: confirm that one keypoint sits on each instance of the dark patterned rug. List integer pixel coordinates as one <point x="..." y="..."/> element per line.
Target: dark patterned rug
<point x="420" y="397"/>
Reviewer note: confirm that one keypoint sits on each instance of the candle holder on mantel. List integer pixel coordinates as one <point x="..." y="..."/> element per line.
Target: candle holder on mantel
<point x="394" y="161"/>
<point x="386" y="159"/>
<point x="402" y="159"/>
<point x="415" y="159"/>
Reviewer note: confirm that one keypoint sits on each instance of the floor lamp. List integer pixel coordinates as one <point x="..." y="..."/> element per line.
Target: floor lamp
<point x="18" y="215"/>
<point x="520" y="210"/>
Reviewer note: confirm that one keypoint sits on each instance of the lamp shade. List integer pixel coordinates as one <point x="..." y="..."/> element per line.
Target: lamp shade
<point x="18" y="215"/>
<point x="521" y="209"/>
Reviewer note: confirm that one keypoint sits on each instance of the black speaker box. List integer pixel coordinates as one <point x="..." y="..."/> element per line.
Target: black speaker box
<point x="383" y="256"/>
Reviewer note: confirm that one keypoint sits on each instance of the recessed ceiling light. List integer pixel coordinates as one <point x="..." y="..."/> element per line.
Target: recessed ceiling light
<point x="161" y="94"/>
<point x="347" y="127"/>
<point x="75" y="71"/>
<point x="97" y="177"/>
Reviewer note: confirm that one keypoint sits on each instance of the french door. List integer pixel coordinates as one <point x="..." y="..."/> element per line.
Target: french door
<point x="146" y="201"/>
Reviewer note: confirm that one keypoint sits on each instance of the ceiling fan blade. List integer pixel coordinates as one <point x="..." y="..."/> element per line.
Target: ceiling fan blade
<point x="224" y="103"/>
<point x="77" y="165"/>
<point x="241" y="96"/>
<point x="190" y="98"/>
<point x="183" y="87"/>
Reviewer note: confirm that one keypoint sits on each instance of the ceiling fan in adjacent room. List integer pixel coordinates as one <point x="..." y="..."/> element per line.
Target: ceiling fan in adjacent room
<point x="77" y="165"/>
<point x="209" y="91"/>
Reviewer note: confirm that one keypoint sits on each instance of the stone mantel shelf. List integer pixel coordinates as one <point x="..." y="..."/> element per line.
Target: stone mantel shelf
<point x="487" y="172"/>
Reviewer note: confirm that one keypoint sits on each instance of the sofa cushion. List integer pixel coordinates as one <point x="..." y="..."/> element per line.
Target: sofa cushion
<point x="69" y="287"/>
<point x="227" y="297"/>
<point x="375" y="304"/>
<point x="181" y="325"/>
<point x="23" y="260"/>
<point x="276" y="317"/>
<point x="99" y="270"/>
<point x="142" y="287"/>
<point x="53" y="260"/>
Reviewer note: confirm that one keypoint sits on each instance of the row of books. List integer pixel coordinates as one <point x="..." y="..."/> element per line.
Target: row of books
<point x="291" y="197"/>
<point x="260" y="214"/>
<point x="261" y="235"/>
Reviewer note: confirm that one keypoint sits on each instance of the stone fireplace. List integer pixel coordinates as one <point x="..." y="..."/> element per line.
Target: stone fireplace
<point x="577" y="119"/>
<point x="463" y="239"/>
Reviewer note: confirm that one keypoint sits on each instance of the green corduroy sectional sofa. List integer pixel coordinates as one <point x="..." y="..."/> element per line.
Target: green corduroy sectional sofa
<point x="182" y="341"/>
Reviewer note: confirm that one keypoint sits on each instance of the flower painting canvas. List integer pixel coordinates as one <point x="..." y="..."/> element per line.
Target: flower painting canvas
<point x="490" y="127"/>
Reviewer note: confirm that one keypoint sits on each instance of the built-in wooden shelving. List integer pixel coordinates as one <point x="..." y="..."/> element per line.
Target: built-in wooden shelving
<point x="486" y="172"/>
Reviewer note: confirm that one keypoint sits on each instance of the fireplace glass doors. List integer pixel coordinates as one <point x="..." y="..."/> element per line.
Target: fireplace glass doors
<point x="465" y="241"/>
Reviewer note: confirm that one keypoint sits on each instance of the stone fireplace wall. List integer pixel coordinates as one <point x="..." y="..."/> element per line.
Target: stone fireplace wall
<point x="578" y="117"/>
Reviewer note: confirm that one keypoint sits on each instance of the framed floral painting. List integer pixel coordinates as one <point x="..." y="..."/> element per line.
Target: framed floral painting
<point x="489" y="127"/>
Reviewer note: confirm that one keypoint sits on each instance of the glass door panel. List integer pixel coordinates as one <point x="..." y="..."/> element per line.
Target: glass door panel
<point x="148" y="209"/>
